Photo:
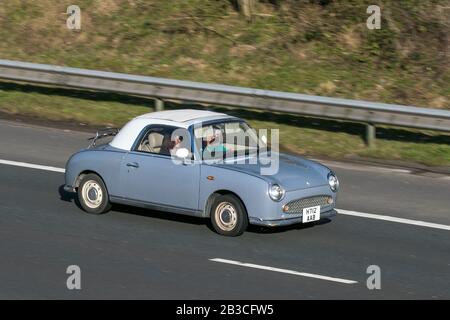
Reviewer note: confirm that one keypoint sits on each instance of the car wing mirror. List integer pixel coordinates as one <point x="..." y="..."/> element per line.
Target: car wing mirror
<point x="182" y="153"/>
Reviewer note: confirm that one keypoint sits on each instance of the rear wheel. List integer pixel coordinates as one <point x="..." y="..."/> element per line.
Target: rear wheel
<point x="228" y="216"/>
<point x="93" y="195"/>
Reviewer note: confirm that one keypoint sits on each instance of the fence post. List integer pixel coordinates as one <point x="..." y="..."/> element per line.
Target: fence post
<point x="159" y="105"/>
<point x="370" y="134"/>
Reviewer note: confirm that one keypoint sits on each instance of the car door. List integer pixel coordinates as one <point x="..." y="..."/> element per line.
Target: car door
<point x="149" y="173"/>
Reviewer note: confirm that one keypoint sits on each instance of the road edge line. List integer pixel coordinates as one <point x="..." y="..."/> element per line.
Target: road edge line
<point x="394" y="219"/>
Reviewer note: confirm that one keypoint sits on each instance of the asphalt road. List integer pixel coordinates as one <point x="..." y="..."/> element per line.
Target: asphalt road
<point x="135" y="253"/>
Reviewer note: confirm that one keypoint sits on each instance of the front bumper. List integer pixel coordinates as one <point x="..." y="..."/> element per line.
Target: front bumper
<point x="267" y="212"/>
<point x="288" y="221"/>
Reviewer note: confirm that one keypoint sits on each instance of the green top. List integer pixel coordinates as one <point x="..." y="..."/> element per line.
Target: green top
<point x="217" y="148"/>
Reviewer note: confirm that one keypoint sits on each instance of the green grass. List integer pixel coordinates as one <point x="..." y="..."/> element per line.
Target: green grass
<point x="303" y="135"/>
<point x="306" y="46"/>
<point x="315" y="47"/>
<point x="90" y="109"/>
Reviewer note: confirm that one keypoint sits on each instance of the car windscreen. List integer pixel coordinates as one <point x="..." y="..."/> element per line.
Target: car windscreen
<point x="226" y="140"/>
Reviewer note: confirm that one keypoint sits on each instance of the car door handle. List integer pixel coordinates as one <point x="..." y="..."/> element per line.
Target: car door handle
<point x="133" y="164"/>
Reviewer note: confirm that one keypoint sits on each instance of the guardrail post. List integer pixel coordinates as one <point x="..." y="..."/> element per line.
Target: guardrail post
<point x="159" y="105"/>
<point x="370" y="135"/>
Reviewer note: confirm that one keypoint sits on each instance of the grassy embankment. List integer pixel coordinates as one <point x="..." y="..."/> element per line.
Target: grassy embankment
<point x="313" y="47"/>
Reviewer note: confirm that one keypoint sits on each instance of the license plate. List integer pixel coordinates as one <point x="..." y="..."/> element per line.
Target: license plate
<point x="311" y="214"/>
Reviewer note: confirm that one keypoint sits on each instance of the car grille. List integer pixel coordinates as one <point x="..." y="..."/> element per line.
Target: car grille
<point x="297" y="206"/>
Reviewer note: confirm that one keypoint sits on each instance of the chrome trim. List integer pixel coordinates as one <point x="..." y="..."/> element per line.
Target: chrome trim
<point x="290" y="221"/>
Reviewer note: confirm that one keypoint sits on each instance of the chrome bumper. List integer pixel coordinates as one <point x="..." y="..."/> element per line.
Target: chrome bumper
<point x="69" y="188"/>
<point x="286" y="222"/>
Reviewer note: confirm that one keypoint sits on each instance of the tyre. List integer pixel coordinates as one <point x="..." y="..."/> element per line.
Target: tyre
<point x="228" y="216"/>
<point x="93" y="195"/>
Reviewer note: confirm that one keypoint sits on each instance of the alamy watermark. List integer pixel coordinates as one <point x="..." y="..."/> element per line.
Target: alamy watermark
<point x="73" y="22"/>
<point x="73" y="281"/>
<point x="374" y="280"/>
<point x="374" y="20"/>
<point x="225" y="143"/>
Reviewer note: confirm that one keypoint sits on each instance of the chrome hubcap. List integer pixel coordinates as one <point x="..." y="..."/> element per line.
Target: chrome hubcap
<point x="92" y="194"/>
<point x="226" y="216"/>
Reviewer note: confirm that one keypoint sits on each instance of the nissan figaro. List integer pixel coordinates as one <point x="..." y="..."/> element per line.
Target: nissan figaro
<point x="205" y="164"/>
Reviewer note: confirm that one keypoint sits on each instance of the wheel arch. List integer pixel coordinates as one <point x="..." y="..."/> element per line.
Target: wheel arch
<point x="212" y="196"/>
<point x="86" y="172"/>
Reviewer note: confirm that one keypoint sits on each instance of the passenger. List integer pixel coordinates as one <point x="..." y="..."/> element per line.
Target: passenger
<point x="167" y="145"/>
<point x="175" y="145"/>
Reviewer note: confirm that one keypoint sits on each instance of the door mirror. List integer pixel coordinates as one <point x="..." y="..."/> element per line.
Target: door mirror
<point x="182" y="153"/>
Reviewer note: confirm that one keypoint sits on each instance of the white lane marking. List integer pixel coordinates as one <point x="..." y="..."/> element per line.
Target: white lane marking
<point x="32" y="166"/>
<point x="340" y="211"/>
<point x="296" y="273"/>
<point x="394" y="219"/>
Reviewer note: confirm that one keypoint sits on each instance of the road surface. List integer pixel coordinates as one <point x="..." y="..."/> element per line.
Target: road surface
<point x="132" y="253"/>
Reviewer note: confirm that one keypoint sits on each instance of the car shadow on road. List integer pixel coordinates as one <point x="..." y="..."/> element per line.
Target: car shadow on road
<point x="68" y="196"/>
<point x="138" y="211"/>
<point x="163" y="215"/>
<point x="143" y="212"/>
<point x="281" y="229"/>
<point x="205" y="221"/>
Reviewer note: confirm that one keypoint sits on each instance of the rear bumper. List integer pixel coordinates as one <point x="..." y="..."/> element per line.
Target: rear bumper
<point x="289" y="221"/>
<point x="68" y="188"/>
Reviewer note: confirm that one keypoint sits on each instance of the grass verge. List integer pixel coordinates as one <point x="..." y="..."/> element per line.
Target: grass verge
<point x="303" y="135"/>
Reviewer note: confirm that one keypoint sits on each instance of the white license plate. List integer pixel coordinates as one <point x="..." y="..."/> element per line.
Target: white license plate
<point x="311" y="214"/>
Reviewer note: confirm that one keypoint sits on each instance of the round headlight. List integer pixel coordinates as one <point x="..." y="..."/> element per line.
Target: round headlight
<point x="276" y="192"/>
<point x="333" y="181"/>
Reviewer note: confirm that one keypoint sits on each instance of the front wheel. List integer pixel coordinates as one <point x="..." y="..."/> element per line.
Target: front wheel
<point x="228" y="216"/>
<point x="93" y="195"/>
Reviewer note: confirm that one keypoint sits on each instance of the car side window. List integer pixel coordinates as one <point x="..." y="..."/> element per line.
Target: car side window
<point x="163" y="140"/>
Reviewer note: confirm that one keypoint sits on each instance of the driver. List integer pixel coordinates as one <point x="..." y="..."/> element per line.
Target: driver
<point x="214" y="142"/>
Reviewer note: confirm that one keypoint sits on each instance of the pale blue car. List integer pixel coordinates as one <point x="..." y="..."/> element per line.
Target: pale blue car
<point x="204" y="164"/>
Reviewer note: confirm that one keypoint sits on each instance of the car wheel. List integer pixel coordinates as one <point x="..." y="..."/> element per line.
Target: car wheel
<point x="93" y="195"/>
<point x="228" y="216"/>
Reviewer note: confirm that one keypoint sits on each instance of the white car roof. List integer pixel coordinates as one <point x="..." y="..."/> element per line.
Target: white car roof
<point x="182" y="118"/>
<point x="182" y="115"/>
